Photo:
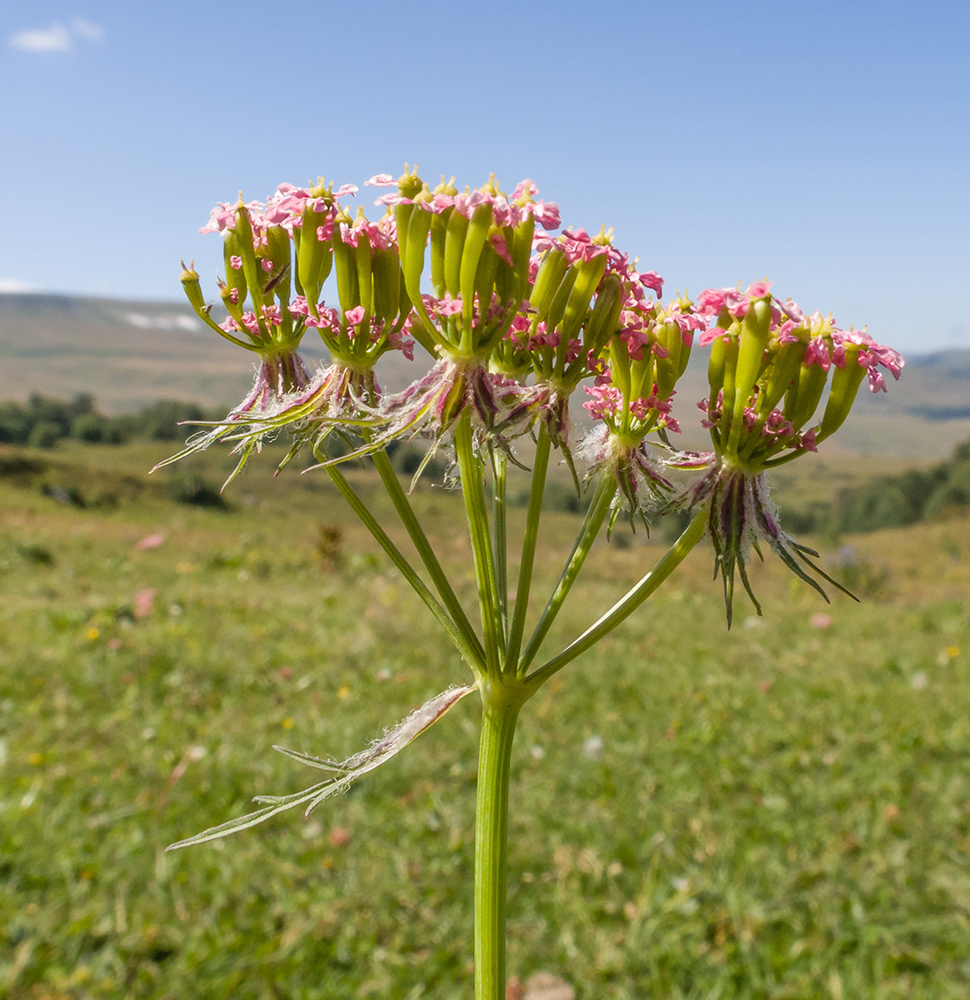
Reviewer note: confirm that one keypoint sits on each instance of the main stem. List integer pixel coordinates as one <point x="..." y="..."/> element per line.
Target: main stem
<point x="491" y="845"/>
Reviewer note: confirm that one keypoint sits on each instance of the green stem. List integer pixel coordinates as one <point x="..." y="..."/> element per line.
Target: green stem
<point x="420" y="541"/>
<point x="627" y="604"/>
<point x="499" y="520"/>
<point x="595" y="516"/>
<point x="471" y="654"/>
<point x="539" y="471"/>
<point x="491" y="846"/>
<point x="473" y="490"/>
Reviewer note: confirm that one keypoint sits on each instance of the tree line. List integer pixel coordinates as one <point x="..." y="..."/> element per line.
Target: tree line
<point x="896" y="501"/>
<point x="43" y="421"/>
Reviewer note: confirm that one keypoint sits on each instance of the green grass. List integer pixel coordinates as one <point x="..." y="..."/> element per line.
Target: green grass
<point x="782" y="811"/>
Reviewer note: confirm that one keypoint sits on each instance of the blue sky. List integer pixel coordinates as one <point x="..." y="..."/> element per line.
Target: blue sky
<point x="823" y="144"/>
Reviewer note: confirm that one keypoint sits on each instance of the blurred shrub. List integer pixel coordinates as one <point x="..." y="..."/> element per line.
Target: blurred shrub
<point x="44" y="434"/>
<point x="859" y="574"/>
<point x="192" y="489"/>
<point x="916" y="495"/>
<point x="41" y="422"/>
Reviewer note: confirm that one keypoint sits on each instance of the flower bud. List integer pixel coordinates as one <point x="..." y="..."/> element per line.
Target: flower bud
<point x="782" y="374"/>
<point x="412" y="242"/>
<point x="845" y="386"/>
<point x="755" y="328"/>
<point x="409" y="185"/>
<point x="589" y="273"/>
<point x="345" y="266"/>
<point x="605" y="315"/>
<point x="192" y="287"/>
<point x="455" y="232"/>
<point x="315" y="255"/>
<point x="803" y="399"/>
<point x="478" y="227"/>
<point x="277" y="252"/>
<point x="520" y="249"/>
<point x="721" y="366"/>
<point x="387" y="285"/>
<point x="235" y="276"/>
<point x="231" y="303"/>
<point x="552" y="270"/>
<point x="557" y="307"/>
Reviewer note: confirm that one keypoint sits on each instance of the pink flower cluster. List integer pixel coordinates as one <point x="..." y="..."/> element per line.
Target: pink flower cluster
<point x="577" y="245"/>
<point x="541" y="338"/>
<point x="452" y="305"/>
<point x="826" y="343"/>
<point x="283" y="208"/>
<point x="775" y="428"/>
<point x="250" y="324"/>
<point x="381" y="235"/>
<point x="642" y="322"/>
<point x="505" y="211"/>
<point x="327" y="321"/>
<point x="607" y="405"/>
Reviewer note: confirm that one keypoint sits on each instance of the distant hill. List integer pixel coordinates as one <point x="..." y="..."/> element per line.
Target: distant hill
<point x="129" y="353"/>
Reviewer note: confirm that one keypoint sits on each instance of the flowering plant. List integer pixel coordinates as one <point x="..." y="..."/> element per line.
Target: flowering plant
<point x="514" y="319"/>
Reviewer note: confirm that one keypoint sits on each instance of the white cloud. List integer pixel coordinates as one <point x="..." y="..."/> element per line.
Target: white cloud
<point x="11" y="286"/>
<point x="85" y="29"/>
<point x="56" y="38"/>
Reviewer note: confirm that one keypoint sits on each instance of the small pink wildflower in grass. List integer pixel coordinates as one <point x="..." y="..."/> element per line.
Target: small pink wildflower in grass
<point x="820" y="621"/>
<point x="150" y="542"/>
<point x="339" y="837"/>
<point x="145" y="601"/>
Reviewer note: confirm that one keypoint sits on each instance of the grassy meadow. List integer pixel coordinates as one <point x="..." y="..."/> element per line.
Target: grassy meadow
<point x="779" y="811"/>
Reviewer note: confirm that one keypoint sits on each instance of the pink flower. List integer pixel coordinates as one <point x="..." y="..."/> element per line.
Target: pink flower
<point x="709" y="336"/>
<point x="355" y="316"/>
<point x="790" y="308"/>
<point x="871" y="355"/>
<point x="635" y="338"/>
<point x="447" y="306"/>
<point x="653" y="281"/>
<point x="712" y="300"/>
<point x="607" y="399"/>
<point x="399" y="341"/>
<point x="820" y="621"/>
<point x="502" y="213"/>
<point x="222" y="217"/>
<point x="817" y="353"/>
<point x="497" y="241"/>
<point x="150" y="542"/>
<point x="266" y="265"/>
<point x="272" y="315"/>
<point x="144" y="602"/>
<point x="380" y="180"/>
<point x="235" y="261"/>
